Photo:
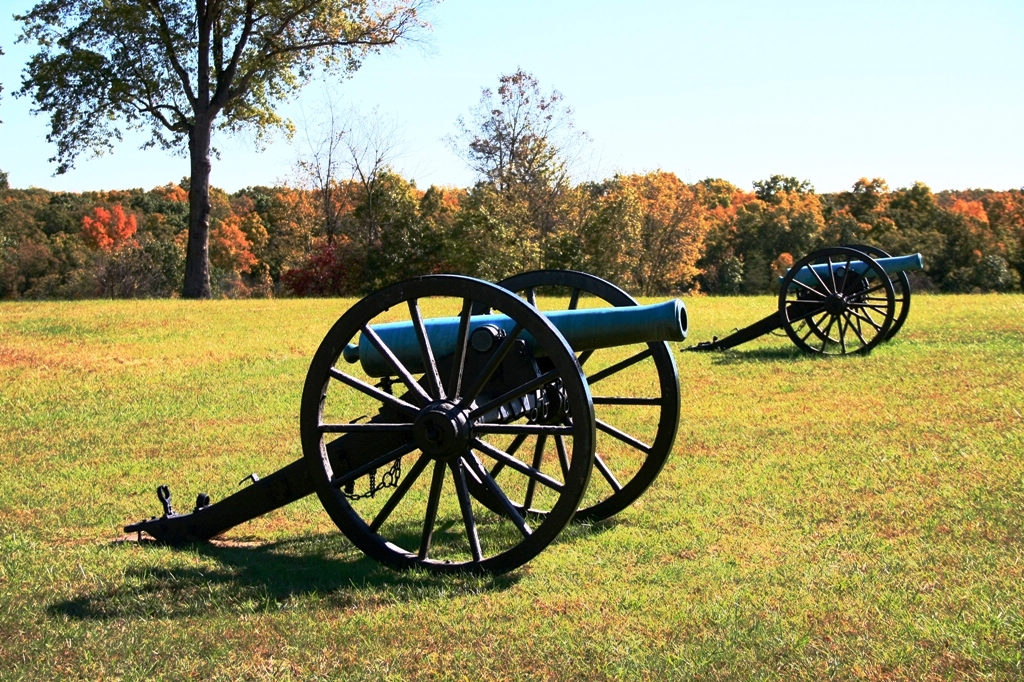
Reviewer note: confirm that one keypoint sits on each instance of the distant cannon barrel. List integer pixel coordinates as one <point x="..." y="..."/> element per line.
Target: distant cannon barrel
<point x="584" y="329"/>
<point x="892" y="265"/>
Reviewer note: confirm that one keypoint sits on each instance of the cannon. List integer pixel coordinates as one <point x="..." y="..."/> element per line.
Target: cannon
<point x="453" y="424"/>
<point x="836" y="301"/>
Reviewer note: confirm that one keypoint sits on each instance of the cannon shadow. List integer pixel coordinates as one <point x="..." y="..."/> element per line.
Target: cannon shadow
<point x="248" y="577"/>
<point x="780" y="354"/>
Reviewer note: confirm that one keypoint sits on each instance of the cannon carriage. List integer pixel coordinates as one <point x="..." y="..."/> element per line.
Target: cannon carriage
<point x="835" y="301"/>
<point x="450" y="424"/>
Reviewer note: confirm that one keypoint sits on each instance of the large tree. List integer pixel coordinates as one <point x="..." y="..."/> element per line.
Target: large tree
<point x="179" y="68"/>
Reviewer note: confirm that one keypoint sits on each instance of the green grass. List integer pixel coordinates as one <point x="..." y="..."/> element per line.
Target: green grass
<point x="858" y="517"/>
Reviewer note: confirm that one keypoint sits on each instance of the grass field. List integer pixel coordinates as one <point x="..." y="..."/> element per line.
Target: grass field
<point x="850" y="518"/>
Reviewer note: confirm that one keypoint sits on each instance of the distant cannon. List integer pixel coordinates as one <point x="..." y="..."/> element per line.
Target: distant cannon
<point x="448" y="423"/>
<point x="836" y="301"/>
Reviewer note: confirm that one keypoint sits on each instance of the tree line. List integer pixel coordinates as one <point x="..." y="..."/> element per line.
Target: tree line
<point x="650" y="233"/>
<point x="181" y="70"/>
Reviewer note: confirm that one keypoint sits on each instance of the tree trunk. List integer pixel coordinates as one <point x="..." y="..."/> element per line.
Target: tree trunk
<point x="197" y="250"/>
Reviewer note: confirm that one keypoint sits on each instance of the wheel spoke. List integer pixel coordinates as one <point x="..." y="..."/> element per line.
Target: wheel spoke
<point x="828" y="329"/>
<point x="466" y="507"/>
<point x="563" y="456"/>
<point x="426" y="351"/>
<point x="400" y="369"/>
<point x="461" y="348"/>
<point x="878" y="287"/>
<point x="606" y="473"/>
<point x="574" y="299"/>
<point x="508" y="508"/>
<point x="842" y="335"/>
<point x="365" y="427"/>
<point x="832" y="273"/>
<point x="430" y="516"/>
<point x="619" y="366"/>
<point x="866" y="317"/>
<point x="818" y="277"/>
<point x="516" y="464"/>
<point x="851" y="319"/>
<point x="622" y="436"/>
<point x="880" y="309"/>
<point x="846" y="274"/>
<point x="810" y="330"/>
<point x="400" y="492"/>
<point x="531" y="484"/>
<point x="512" y="449"/>
<point x="814" y="326"/>
<point x="625" y="400"/>
<point x="485" y="428"/>
<point x="811" y="289"/>
<point x="374" y="392"/>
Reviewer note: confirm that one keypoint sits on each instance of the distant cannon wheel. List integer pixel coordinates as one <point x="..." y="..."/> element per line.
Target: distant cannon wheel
<point x="635" y="392"/>
<point x="837" y="301"/>
<point x="397" y="484"/>
<point x="900" y="285"/>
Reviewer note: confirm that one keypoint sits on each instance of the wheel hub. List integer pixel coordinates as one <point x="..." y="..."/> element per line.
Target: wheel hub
<point x="441" y="430"/>
<point x="835" y="304"/>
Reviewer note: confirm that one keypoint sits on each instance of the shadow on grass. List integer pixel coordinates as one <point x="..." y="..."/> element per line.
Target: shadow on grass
<point x="739" y="357"/>
<point x="264" y="578"/>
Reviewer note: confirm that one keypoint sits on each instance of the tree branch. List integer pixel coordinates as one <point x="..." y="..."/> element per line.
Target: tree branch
<point x="172" y="55"/>
<point x="224" y="93"/>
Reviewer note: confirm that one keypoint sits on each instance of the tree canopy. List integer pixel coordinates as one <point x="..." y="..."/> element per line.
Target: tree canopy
<point x="178" y="69"/>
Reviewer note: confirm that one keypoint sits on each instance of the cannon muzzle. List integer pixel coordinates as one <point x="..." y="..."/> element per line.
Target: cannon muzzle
<point x="584" y="329"/>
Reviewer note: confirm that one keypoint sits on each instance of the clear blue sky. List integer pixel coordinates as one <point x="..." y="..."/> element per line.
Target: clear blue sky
<point x="827" y="91"/>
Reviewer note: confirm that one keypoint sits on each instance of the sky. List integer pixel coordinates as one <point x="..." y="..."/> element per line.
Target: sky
<point x="826" y="91"/>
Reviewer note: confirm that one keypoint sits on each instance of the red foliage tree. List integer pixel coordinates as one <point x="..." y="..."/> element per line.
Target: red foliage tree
<point x="330" y="269"/>
<point x="108" y="229"/>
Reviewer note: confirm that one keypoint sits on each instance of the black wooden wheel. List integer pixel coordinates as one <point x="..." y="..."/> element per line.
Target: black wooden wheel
<point x="393" y="458"/>
<point x="635" y="392"/>
<point x="837" y="301"/>
<point x="900" y="285"/>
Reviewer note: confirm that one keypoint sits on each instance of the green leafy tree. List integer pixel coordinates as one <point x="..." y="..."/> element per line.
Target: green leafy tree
<point x="786" y="218"/>
<point x="407" y="246"/>
<point x="774" y="188"/>
<point x="178" y="69"/>
<point x="518" y="141"/>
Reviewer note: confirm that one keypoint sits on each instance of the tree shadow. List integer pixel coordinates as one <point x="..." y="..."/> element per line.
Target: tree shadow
<point x="246" y="578"/>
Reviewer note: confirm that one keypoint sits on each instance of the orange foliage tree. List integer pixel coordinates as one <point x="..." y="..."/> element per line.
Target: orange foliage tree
<point x="668" y="236"/>
<point x="108" y="229"/>
<point x="229" y="247"/>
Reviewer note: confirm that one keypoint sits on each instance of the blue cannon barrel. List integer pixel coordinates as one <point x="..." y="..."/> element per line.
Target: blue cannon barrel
<point x="584" y="329"/>
<point x="891" y="265"/>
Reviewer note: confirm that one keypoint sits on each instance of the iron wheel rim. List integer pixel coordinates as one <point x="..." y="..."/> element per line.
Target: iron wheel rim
<point x="486" y="543"/>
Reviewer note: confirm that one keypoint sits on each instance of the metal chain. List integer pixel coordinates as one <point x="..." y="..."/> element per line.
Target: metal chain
<point x="389" y="479"/>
